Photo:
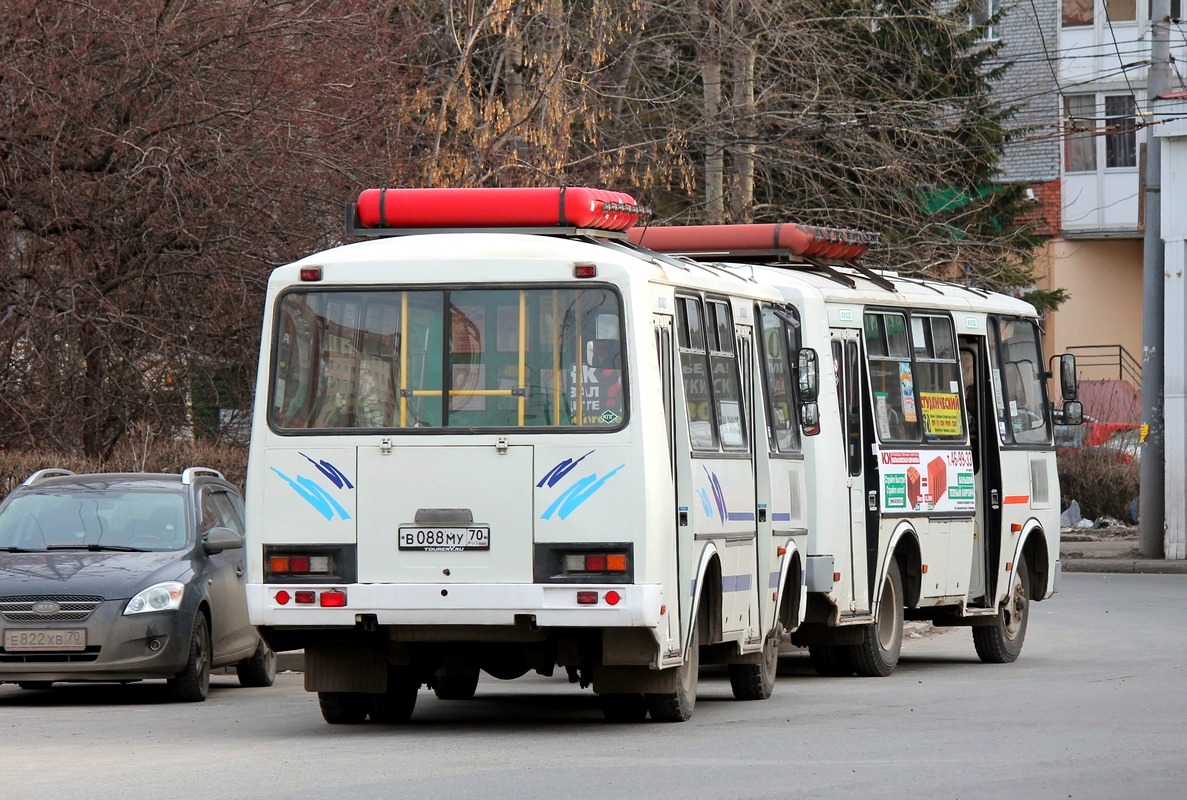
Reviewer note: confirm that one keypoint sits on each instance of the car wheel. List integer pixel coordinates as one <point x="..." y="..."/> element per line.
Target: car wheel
<point x="259" y="669"/>
<point x="192" y="684"/>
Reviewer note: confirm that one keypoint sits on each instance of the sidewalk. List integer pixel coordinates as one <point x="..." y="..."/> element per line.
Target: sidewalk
<point x="1116" y="554"/>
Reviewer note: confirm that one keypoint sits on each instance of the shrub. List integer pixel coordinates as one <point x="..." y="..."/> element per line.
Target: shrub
<point x="140" y="451"/>
<point x="1102" y="481"/>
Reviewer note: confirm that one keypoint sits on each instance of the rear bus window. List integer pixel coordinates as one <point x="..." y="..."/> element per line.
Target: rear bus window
<point x="477" y="358"/>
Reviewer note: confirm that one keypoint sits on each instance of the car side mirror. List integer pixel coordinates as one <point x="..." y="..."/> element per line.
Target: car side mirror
<point x="217" y="540"/>
<point x="808" y="375"/>
<point x="1073" y="412"/>
<point x="810" y="418"/>
<point x="1067" y="376"/>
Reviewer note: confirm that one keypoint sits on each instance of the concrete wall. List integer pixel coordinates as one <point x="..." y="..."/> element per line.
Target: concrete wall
<point x="1104" y="278"/>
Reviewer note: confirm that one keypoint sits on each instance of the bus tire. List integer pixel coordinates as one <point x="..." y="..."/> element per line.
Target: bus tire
<point x="757" y="681"/>
<point x="831" y="660"/>
<point x="343" y="708"/>
<point x="628" y="707"/>
<point x="455" y="684"/>
<point x="882" y="642"/>
<point x="396" y="704"/>
<point x="1001" y="643"/>
<point x="677" y="706"/>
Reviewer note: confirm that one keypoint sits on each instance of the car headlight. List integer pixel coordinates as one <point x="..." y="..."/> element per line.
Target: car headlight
<point x="161" y="597"/>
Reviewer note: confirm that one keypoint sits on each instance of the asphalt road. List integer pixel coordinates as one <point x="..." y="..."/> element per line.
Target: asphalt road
<point x="1095" y="707"/>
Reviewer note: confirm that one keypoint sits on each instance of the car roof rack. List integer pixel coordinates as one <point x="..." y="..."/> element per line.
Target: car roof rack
<point x="188" y="476"/>
<point x="45" y="473"/>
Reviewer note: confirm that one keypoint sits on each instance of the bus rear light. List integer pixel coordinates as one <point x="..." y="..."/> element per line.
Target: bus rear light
<point x="587" y="598"/>
<point x="305" y="597"/>
<point x="281" y="597"/>
<point x="335" y="598"/>
<point x="311" y="273"/>
<point x="612" y="597"/>
<point x="596" y="562"/>
<point x="285" y="566"/>
<point x="583" y="270"/>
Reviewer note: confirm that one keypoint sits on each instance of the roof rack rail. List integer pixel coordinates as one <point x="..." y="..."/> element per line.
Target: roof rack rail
<point x="188" y="476"/>
<point x="45" y="473"/>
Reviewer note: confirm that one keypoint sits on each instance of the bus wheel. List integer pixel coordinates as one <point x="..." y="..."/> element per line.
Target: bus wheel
<point x="631" y="707"/>
<point x="395" y="705"/>
<point x="455" y="684"/>
<point x="677" y="706"/>
<point x="757" y="681"/>
<point x="831" y="660"/>
<point x="877" y="655"/>
<point x="343" y="708"/>
<point x="1002" y="642"/>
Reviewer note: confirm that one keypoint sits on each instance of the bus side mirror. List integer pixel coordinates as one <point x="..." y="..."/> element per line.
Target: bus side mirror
<point x="1073" y="412"/>
<point x="809" y="374"/>
<point x="810" y="418"/>
<point x="1067" y="376"/>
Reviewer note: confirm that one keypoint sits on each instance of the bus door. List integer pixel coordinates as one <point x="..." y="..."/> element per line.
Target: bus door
<point x="680" y="569"/>
<point x="1021" y="419"/>
<point x="986" y="469"/>
<point x="846" y="352"/>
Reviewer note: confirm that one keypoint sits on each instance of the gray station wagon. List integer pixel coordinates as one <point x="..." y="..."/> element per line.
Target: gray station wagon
<point x="126" y="576"/>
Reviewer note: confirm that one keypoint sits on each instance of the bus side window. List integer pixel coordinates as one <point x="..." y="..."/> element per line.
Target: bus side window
<point x="694" y="367"/>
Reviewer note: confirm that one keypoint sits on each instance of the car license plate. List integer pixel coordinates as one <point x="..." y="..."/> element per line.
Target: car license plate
<point x="474" y="537"/>
<point x="30" y="639"/>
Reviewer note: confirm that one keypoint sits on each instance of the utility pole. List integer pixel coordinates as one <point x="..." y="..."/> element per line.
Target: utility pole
<point x="1152" y="511"/>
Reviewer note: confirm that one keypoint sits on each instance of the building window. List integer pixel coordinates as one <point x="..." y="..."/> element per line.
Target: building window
<point x="1080" y="147"/>
<point x="1121" y="138"/>
<point x="982" y="12"/>
<point x="1077" y="12"/>
<point x="1121" y="10"/>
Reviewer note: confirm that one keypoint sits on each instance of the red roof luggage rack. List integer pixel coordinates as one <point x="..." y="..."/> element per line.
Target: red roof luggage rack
<point x="573" y="209"/>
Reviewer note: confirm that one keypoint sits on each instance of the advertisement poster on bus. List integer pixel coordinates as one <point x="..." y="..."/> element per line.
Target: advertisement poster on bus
<point x="926" y="481"/>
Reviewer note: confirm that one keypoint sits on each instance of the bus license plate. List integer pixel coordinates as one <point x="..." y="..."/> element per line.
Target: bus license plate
<point x="445" y="539"/>
<point x="29" y="639"/>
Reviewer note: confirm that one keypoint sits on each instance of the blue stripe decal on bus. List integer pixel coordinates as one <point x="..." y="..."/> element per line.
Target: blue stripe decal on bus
<point x="740" y="516"/>
<point x="736" y="583"/>
<point x="780" y="516"/>
<point x="774" y="584"/>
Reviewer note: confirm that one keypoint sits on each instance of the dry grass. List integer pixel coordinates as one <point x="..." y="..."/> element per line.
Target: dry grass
<point x="1101" y="481"/>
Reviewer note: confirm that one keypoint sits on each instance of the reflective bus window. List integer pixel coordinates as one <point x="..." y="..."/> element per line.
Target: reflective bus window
<point x="779" y="340"/>
<point x="937" y="376"/>
<point x="892" y="377"/>
<point x="1019" y="388"/>
<point x="727" y="393"/>
<point x="694" y="366"/>
<point x="481" y="358"/>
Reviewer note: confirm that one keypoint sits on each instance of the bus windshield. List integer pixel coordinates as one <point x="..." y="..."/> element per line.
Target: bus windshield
<point x="459" y="358"/>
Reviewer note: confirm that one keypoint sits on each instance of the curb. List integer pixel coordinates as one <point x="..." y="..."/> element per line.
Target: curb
<point x="1126" y="565"/>
<point x="292" y="661"/>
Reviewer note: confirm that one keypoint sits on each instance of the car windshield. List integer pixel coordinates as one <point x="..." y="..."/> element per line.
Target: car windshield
<point x="93" y="520"/>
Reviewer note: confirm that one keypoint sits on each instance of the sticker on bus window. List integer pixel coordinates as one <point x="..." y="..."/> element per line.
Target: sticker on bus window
<point x="941" y="414"/>
<point x="908" y="391"/>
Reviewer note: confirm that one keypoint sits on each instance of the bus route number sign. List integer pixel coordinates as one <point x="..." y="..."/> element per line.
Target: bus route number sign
<point x="474" y="537"/>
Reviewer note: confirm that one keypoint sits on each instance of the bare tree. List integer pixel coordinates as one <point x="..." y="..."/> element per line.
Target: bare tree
<point x="156" y="159"/>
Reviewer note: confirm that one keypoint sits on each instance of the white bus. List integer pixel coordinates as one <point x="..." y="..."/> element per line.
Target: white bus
<point x="497" y="436"/>
<point x="932" y="488"/>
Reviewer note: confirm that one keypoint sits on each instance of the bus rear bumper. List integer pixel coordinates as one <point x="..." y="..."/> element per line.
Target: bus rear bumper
<point x="551" y="605"/>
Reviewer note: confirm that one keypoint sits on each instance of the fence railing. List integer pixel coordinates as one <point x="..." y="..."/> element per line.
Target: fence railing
<point x="1110" y="357"/>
